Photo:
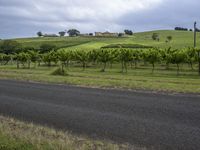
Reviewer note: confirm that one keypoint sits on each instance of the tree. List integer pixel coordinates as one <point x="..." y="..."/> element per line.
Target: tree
<point x="128" y="32"/>
<point x="169" y="38"/>
<point x="10" y="47"/>
<point x="166" y="55"/>
<point x="22" y="58"/>
<point x="152" y="56"/>
<point x="155" y="37"/>
<point x="8" y="58"/>
<point x="91" y="34"/>
<point x="104" y="57"/>
<point x="178" y="57"/>
<point x="93" y="55"/>
<point x="34" y="57"/>
<point x="50" y="57"/>
<point x="62" y="33"/>
<point x="181" y="29"/>
<point x="73" y="32"/>
<point x="45" y="48"/>
<point x="113" y="57"/>
<point x="120" y="34"/>
<point x="64" y="56"/>
<point x="1" y="58"/>
<point x="40" y="58"/>
<point x="191" y="56"/>
<point x="4" y="58"/>
<point x="124" y="57"/>
<point x="82" y="56"/>
<point x="136" y="56"/>
<point x="39" y="34"/>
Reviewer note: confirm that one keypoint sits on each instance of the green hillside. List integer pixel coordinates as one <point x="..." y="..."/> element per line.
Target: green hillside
<point x="180" y="39"/>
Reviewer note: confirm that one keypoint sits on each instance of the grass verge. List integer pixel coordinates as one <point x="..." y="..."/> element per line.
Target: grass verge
<point x="161" y="80"/>
<point x="17" y="135"/>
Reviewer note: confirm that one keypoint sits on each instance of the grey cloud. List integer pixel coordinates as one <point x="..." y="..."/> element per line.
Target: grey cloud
<point x="168" y="15"/>
<point x="24" y="18"/>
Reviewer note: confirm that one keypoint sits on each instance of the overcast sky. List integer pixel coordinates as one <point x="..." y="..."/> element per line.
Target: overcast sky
<point x="22" y="18"/>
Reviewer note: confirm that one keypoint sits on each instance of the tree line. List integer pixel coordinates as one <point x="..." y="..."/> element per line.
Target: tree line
<point x="75" y="32"/>
<point x="186" y="29"/>
<point x="71" y="32"/>
<point x="12" y="47"/>
<point x="128" y="58"/>
<point x="181" y="29"/>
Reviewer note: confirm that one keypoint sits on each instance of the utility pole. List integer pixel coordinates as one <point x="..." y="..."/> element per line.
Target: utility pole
<point x="199" y="60"/>
<point x="195" y="34"/>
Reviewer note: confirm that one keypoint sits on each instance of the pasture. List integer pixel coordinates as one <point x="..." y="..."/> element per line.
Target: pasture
<point x="180" y="39"/>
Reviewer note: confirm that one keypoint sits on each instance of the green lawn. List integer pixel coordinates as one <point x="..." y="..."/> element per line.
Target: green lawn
<point x="142" y="78"/>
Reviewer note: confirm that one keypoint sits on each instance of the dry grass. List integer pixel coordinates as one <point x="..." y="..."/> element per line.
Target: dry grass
<point x="16" y="135"/>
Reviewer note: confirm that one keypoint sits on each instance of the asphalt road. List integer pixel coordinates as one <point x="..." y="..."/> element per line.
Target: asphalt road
<point x="156" y="121"/>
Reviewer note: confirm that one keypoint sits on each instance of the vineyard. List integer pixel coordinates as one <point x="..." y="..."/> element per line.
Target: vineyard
<point x="135" y="62"/>
<point x="105" y="58"/>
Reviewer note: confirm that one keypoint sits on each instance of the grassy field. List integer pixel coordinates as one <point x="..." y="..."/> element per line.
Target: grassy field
<point x="142" y="78"/>
<point x="180" y="39"/>
<point x="68" y="42"/>
<point x="18" y="135"/>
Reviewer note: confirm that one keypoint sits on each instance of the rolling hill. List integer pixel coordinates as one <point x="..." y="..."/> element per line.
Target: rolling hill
<point x="180" y="39"/>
